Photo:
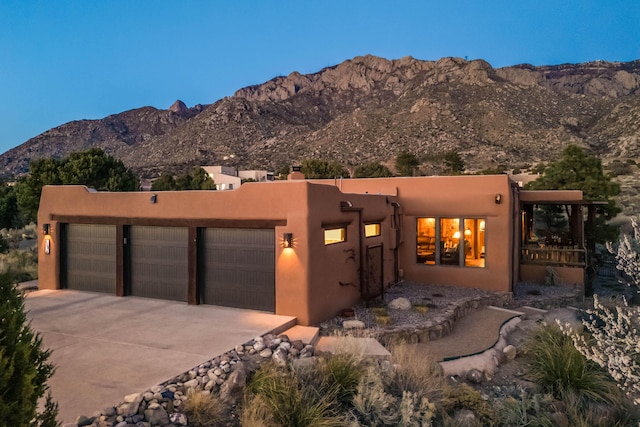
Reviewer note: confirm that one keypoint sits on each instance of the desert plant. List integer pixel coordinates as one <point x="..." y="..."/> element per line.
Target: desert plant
<point x="530" y="411"/>
<point x="204" y="409"/>
<point x="627" y="252"/>
<point x="415" y="410"/>
<point x="293" y="401"/>
<point x="464" y="396"/>
<point x="584" y="413"/>
<point x="556" y="365"/>
<point x="372" y="405"/>
<point x="341" y="374"/>
<point x="413" y="372"/>
<point x="256" y="412"/>
<point x="612" y="342"/>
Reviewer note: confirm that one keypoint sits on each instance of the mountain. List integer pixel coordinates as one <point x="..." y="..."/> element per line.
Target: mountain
<point x="370" y="109"/>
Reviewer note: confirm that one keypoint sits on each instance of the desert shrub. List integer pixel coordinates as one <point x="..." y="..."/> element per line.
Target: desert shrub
<point x="341" y="374"/>
<point x="526" y="411"/>
<point x="413" y="372"/>
<point x="292" y="399"/>
<point x="611" y="341"/>
<point x="585" y="413"/>
<point x="204" y="409"/>
<point x="556" y="365"/>
<point x="21" y="266"/>
<point x="256" y="412"/>
<point x="373" y="406"/>
<point x="465" y="397"/>
<point x="415" y="410"/>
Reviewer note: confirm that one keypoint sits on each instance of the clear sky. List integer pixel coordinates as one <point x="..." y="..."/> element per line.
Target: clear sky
<point x="64" y="60"/>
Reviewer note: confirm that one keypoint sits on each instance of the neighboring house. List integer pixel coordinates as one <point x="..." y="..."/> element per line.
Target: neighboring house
<point x="229" y="178"/>
<point x="302" y="248"/>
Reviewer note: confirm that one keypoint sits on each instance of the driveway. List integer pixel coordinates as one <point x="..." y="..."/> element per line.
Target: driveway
<point x="105" y="347"/>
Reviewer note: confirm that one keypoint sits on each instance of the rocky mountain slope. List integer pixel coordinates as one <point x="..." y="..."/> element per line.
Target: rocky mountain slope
<point x="370" y="108"/>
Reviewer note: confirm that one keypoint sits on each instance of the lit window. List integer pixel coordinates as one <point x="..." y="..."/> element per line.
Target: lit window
<point x="334" y="235"/>
<point x="450" y="241"/>
<point x="372" y="230"/>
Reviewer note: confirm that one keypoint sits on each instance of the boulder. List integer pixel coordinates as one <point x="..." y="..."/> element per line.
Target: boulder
<point x="400" y="304"/>
<point x="510" y="352"/>
<point x="353" y="324"/>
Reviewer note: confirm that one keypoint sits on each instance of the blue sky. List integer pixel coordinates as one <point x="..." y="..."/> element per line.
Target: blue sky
<point x="82" y="59"/>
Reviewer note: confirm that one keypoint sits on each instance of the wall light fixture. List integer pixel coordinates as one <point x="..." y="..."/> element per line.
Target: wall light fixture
<point x="287" y="240"/>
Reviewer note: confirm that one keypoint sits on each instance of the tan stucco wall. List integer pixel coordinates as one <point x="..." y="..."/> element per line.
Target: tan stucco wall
<point x="451" y="196"/>
<point x="307" y="276"/>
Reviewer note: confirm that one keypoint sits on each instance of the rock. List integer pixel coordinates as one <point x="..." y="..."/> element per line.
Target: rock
<point x="400" y="304"/>
<point x="297" y="344"/>
<point x="475" y="376"/>
<point x="132" y="397"/>
<point x="510" y="352"/>
<point x="84" y="421"/>
<point x="235" y="383"/>
<point x="465" y="418"/>
<point x="353" y="324"/>
<point x="156" y="415"/>
<point x="259" y="346"/>
<point x="178" y="419"/>
<point x="129" y="409"/>
<point x="280" y="356"/>
<point x="266" y="353"/>
<point x="191" y="383"/>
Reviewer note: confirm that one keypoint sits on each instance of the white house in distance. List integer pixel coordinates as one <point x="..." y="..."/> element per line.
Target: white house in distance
<point x="228" y="177"/>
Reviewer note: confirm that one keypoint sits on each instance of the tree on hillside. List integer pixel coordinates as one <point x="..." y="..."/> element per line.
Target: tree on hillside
<point x="578" y="170"/>
<point x="322" y="169"/>
<point x="198" y="179"/>
<point x="406" y="164"/>
<point x="453" y="163"/>
<point x="165" y="182"/>
<point x="9" y="213"/>
<point x="372" y="170"/>
<point x="24" y="365"/>
<point x="93" y="168"/>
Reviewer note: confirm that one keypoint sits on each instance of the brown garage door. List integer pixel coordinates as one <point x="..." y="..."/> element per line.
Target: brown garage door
<point x="159" y="262"/>
<point x="239" y="268"/>
<point x="89" y="262"/>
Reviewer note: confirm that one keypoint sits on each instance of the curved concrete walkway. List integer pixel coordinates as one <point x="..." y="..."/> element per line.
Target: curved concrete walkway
<point x="105" y="347"/>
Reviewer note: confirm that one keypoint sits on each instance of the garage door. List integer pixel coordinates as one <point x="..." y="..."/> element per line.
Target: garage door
<point x="90" y="257"/>
<point x="239" y="268"/>
<point x="159" y="262"/>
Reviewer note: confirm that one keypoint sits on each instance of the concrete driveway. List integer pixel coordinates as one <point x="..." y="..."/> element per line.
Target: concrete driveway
<point x="105" y="347"/>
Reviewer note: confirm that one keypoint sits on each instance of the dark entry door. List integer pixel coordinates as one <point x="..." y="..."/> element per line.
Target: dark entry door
<point x="239" y="268"/>
<point x="89" y="257"/>
<point x="159" y="262"/>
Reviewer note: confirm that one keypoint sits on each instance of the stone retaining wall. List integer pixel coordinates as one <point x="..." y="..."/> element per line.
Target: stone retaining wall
<point x="440" y="325"/>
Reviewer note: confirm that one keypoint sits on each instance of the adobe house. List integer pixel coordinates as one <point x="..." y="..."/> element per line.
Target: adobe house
<point x="301" y="248"/>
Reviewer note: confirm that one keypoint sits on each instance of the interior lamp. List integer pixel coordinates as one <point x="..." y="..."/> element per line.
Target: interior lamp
<point x="456" y="235"/>
<point x="467" y="232"/>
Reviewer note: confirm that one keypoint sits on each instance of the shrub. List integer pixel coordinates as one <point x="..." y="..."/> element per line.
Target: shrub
<point x="24" y="366"/>
<point x="526" y="411"/>
<point x="557" y="366"/>
<point x="292" y="399"/>
<point x="465" y="397"/>
<point x="372" y="404"/>
<point x="203" y="409"/>
<point x="612" y="342"/>
<point x="341" y="374"/>
<point x="413" y="372"/>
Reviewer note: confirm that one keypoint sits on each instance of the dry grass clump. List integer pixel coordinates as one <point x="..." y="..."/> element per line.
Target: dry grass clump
<point x="204" y="409"/>
<point x="414" y="372"/>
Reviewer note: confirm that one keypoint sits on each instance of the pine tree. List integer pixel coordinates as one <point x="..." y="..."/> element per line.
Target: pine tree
<point x="24" y="369"/>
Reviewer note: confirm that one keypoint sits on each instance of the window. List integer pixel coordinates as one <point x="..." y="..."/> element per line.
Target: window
<point x="450" y="241"/>
<point x="372" y="230"/>
<point x="334" y="235"/>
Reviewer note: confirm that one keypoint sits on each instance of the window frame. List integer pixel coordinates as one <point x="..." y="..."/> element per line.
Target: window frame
<point x="438" y="243"/>
<point x="377" y="232"/>
<point x="335" y="228"/>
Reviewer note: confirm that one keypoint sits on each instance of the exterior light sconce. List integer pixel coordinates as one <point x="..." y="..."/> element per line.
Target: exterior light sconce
<point x="287" y="240"/>
<point x="498" y="198"/>
<point x="153" y="198"/>
<point x="46" y="229"/>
